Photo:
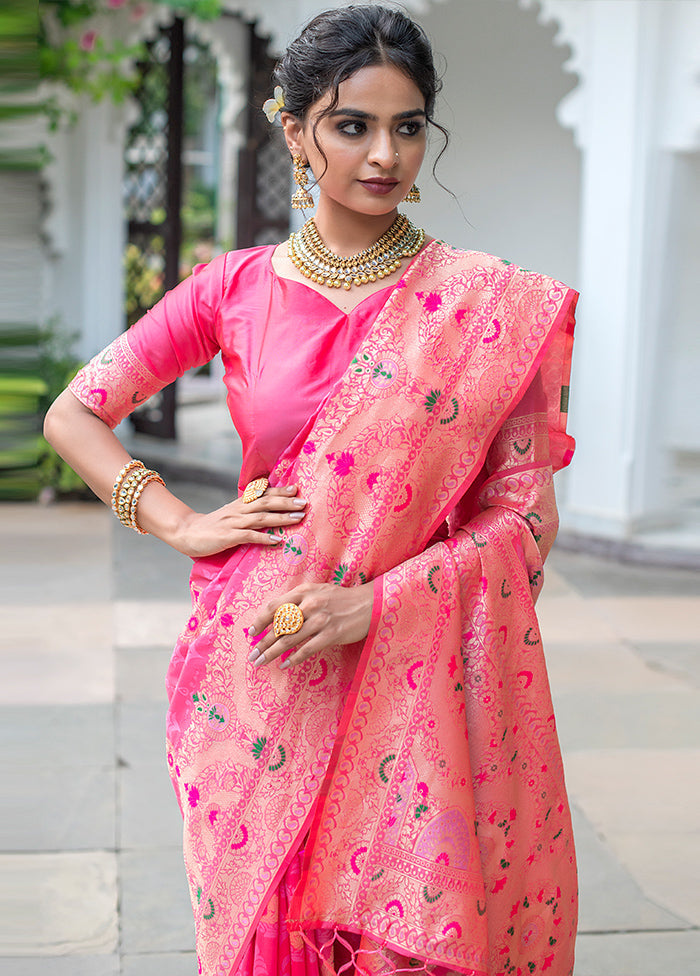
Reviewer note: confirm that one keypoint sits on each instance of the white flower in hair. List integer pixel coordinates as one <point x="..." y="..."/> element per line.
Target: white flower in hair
<point x="275" y="104"/>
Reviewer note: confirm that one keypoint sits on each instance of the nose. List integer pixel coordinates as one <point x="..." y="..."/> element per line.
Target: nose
<point x="382" y="152"/>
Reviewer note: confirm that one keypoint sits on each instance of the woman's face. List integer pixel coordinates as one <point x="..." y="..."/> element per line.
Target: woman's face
<point x="374" y="140"/>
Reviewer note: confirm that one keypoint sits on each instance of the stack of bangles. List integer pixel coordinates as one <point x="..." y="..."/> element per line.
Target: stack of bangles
<point x="131" y="481"/>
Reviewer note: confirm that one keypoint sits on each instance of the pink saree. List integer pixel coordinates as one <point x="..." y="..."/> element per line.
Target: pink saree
<point x="420" y="770"/>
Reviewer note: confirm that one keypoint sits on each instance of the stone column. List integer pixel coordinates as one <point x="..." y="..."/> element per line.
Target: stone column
<point x="618" y="483"/>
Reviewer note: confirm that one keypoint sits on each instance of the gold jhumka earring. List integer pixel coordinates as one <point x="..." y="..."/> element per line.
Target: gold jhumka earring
<point x="301" y="199"/>
<point x="413" y="195"/>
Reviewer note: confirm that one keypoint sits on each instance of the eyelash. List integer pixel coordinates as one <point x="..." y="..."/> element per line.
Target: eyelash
<point x="414" y="126"/>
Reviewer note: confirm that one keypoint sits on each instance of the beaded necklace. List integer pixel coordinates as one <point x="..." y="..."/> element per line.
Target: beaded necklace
<point x="316" y="262"/>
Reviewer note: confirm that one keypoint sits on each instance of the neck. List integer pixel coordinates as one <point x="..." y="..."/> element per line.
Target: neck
<point x="346" y="232"/>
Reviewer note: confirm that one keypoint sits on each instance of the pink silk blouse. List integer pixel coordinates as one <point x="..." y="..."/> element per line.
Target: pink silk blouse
<point x="283" y="345"/>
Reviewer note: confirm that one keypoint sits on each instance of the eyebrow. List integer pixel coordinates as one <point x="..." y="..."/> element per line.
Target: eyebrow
<point x="359" y="114"/>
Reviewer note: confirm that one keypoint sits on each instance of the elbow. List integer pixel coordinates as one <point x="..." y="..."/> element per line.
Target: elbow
<point x="61" y="419"/>
<point x="53" y="423"/>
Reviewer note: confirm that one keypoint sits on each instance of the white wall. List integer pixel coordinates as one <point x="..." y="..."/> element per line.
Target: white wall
<point x="683" y="319"/>
<point x="512" y="166"/>
<point x="85" y="230"/>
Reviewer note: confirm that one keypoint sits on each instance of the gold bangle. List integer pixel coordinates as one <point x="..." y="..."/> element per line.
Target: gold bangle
<point x="126" y="493"/>
<point x="148" y="478"/>
<point x="119" y="480"/>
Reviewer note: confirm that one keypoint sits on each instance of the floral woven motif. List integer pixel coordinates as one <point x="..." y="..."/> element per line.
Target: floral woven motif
<point x="422" y="765"/>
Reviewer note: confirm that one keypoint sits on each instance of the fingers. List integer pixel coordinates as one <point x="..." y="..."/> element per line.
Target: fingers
<point x="267" y="646"/>
<point x="280" y="499"/>
<point x="277" y="507"/>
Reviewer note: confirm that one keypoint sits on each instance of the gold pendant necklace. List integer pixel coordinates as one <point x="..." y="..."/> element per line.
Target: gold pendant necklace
<point x="316" y="262"/>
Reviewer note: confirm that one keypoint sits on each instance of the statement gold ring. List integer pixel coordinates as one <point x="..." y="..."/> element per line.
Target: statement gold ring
<point x="255" y="489"/>
<point x="288" y="619"/>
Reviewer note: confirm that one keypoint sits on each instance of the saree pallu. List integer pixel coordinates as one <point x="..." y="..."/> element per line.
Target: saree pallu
<point x="423" y="765"/>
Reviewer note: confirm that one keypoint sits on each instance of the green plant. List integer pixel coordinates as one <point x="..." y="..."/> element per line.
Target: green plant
<point x="77" y="50"/>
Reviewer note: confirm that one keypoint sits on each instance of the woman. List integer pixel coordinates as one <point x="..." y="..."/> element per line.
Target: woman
<point x="370" y="778"/>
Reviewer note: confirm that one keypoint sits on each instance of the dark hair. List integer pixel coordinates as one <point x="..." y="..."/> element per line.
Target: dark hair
<point x="337" y="43"/>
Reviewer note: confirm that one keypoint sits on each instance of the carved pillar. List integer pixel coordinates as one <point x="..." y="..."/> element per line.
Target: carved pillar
<point x="625" y="114"/>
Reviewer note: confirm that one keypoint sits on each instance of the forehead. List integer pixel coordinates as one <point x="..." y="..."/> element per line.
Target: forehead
<point x="380" y="89"/>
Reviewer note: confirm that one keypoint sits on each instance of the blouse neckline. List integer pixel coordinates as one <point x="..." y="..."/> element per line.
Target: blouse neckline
<point x="380" y="291"/>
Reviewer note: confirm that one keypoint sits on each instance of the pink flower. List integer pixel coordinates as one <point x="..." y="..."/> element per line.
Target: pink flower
<point x="226" y="619"/>
<point x="432" y="302"/>
<point x="309" y="447"/>
<point x="87" y="41"/>
<point x="115" y="4"/>
<point x="193" y="796"/>
<point x="342" y="462"/>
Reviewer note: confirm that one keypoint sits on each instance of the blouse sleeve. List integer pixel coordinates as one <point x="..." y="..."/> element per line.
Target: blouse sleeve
<point x="179" y="333"/>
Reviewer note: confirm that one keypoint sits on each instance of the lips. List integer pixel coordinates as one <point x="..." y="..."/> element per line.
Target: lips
<point x="379" y="185"/>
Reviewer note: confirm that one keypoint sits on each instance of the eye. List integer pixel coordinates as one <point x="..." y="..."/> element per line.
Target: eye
<point x="352" y="128"/>
<point x="411" y="128"/>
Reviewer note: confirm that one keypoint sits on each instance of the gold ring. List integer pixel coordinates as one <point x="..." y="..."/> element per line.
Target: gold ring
<point x="288" y="619"/>
<point x="255" y="489"/>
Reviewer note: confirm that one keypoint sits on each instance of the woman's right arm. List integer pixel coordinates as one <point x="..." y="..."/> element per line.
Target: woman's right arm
<point x="95" y="453"/>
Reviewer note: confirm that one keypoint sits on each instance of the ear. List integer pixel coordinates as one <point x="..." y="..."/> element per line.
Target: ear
<point x="293" y="134"/>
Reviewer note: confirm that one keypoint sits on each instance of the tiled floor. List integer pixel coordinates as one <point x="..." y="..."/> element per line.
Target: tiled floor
<point x="92" y="882"/>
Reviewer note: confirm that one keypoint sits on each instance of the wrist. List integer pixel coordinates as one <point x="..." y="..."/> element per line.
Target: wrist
<point x="163" y="515"/>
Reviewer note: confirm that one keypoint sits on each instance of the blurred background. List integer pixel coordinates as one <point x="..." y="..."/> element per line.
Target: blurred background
<point x="132" y="147"/>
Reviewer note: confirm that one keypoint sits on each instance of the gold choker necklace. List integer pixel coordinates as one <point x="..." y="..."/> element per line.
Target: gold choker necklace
<point x="315" y="261"/>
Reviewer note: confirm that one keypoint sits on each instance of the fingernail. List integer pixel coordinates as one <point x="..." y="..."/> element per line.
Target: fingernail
<point x="297" y="516"/>
<point x="251" y="632"/>
<point x="277" y="538"/>
<point x="253" y="655"/>
<point x="259" y="662"/>
<point x="299" y="502"/>
<point x="291" y="489"/>
<point x="284" y="665"/>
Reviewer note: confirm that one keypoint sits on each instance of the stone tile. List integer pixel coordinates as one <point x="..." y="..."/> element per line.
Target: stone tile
<point x="663" y="720"/>
<point x="149" y="815"/>
<point x="156" y="914"/>
<point x="145" y="568"/>
<point x="160" y="964"/>
<point x="59" y="903"/>
<point x="643" y="619"/>
<point x="141" y="734"/>
<point x="666" y="865"/>
<point x="157" y="623"/>
<point x="140" y="673"/>
<point x="568" y="618"/>
<point x="644" y="804"/>
<point x="57" y="654"/>
<point x="636" y="790"/>
<point x="594" y="576"/>
<point x="682" y="660"/>
<point x="64" y="966"/>
<point x="59" y="552"/>
<point x="638" y="954"/>
<point x="605" y="668"/>
<point x="610" y="899"/>
<point x="82" y="735"/>
<point x="54" y="808"/>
